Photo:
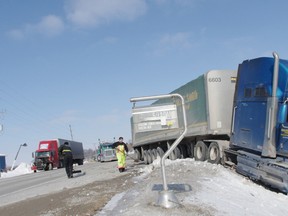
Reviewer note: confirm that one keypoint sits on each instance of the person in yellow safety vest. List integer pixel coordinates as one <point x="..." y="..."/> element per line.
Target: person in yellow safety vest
<point x="121" y="150"/>
<point x="66" y="151"/>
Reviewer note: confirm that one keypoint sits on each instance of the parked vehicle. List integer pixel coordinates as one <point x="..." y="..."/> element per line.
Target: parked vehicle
<point x="47" y="157"/>
<point x="105" y="152"/>
<point x="241" y="122"/>
<point x="2" y="163"/>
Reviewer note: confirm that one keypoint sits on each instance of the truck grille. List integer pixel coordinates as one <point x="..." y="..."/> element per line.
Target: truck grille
<point x="40" y="162"/>
<point x="109" y="152"/>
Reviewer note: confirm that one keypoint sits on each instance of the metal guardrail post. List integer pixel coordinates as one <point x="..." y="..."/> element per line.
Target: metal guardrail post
<point x="167" y="198"/>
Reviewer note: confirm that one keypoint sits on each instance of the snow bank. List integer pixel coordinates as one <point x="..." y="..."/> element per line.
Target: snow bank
<point x="23" y="168"/>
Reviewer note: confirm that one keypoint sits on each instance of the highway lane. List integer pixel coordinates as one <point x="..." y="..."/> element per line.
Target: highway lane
<point x="18" y="188"/>
<point x="17" y="183"/>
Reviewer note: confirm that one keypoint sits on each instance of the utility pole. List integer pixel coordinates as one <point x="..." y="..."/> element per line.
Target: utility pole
<point x="1" y="125"/>
<point x="24" y="145"/>
<point x="71" y="132"/>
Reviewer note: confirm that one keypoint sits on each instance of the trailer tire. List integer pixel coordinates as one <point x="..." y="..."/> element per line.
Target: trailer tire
<point x="145" y="157"/>
<point x="160" y="152"/>
<point x="154" y="154"/>
<point x="149" y="156"/>
<point x="200" y="151"/>
<point x="138" y="155"/>
<point x="213" y="154"/>
<point x="190" y="148"/>
<point x="183" y="150"/>
<point x="176" y="154"/>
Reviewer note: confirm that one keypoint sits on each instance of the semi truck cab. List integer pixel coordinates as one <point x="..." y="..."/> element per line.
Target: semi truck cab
<point x="259" y="131"/>
<point x="46" y="156"/>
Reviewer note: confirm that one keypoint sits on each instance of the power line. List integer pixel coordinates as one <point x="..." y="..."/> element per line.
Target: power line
<point x="25" y="111"/>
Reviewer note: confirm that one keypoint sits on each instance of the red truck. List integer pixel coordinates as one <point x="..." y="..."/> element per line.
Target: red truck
<point x="46" y="157"/>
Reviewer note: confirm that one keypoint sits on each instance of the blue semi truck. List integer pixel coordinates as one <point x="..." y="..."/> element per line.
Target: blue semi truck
<point x="238" y="118"/>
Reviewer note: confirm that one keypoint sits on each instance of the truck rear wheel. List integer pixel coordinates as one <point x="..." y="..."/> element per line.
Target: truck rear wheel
<point x="200" y="151"/>
<point x="214" y="153"/>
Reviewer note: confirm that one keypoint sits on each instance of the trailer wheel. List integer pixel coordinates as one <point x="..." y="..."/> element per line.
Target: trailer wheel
<point x="200" y="151"/>
<point x="190" y="148"/>
<point x="145" y="157"/>
<point x="160" y="152"/>
<point x="214" y="153"/>
<point x="183" y="150"/>
<point x="176" y="154"/>
<point x="154" y="154"/>
<point x="138" y="155"/>
<point x="149" y="156"/>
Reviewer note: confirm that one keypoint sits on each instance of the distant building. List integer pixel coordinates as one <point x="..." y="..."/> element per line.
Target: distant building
<point x="2" y="162"/>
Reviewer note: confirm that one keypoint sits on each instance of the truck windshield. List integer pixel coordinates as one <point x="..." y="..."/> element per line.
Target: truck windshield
<point x="42" y="154"/>
<point x="106" y="145"/>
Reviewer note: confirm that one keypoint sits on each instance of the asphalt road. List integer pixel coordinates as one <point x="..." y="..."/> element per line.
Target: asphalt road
<point x="19" y="188"/>
<point x="19" y="184"/>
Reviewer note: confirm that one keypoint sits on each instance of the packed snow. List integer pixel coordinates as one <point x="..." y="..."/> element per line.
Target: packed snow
<point x="21" y="169"/>
<point x="201" y="188"/>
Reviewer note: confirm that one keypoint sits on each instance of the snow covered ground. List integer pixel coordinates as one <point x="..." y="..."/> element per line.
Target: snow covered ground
<point x="200" y="187"/>
<point x="22" y="169"/>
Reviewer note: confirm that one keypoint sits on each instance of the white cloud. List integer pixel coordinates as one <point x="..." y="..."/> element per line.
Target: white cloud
<point x="176" y="41"/>
<point x="177" y="2"/>
<point x="110" y="40"/>
<point x="180" y="39"/>
<point x="50" y="25"/>
<point x="16" y="34"/>
<point x="90" y="13"/>
<point x="66" y="118"/>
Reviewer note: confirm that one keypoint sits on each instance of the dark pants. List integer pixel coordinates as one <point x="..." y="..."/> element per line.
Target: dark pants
<point x="68" y="163"/>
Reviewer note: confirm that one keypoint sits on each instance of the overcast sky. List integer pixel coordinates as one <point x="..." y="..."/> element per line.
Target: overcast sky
<point x="78" y="62"/>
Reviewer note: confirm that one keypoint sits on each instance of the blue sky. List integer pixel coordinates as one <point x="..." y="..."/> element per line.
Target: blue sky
<point x="78" y="62"/>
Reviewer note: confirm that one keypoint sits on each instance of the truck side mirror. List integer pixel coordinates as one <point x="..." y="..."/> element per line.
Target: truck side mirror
<point x="282" y="115"/>
<point x="32" y="154"/>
